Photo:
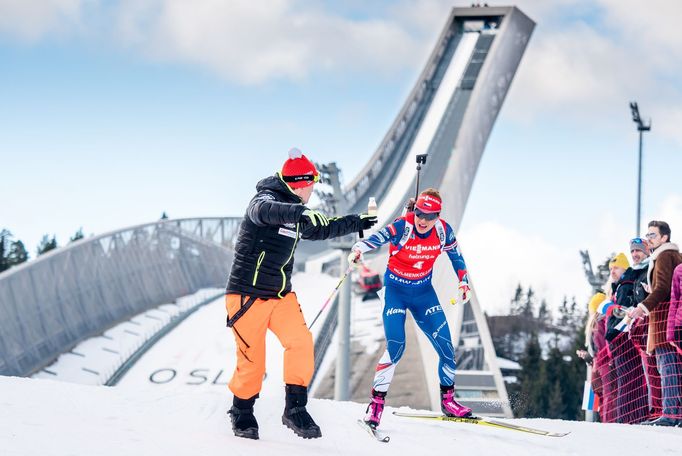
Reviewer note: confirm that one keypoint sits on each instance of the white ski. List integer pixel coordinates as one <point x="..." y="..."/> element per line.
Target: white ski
<point x="380" y="436"/>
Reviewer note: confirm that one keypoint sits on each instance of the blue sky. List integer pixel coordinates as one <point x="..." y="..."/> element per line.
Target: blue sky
<point x="113" y="112"/>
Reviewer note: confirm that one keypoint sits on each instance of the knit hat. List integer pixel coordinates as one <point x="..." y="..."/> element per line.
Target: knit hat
<point x="639" y="244"/>
<point x="597" y="299"/>
<point x="620" y="261"/>
<point x="298" y="171"/>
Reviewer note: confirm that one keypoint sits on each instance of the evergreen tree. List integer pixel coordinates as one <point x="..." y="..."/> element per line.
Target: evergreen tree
<point x="12" y="253"/>
<point x="555" y="403"/>
<point x="574" y="375"/>
<point x="17" y="254"/>
<point x="529" y="305"/>
<point x="47" y="244"/>
<point x="563" y="319"/>
<point x="516" y="305"/>
<point x="5" y="240"/>
<point x="530" y="391"/>
<point x="576" y="314"/>
<point x="544" y="315"/>
<point x="550" y="387"/>
<point x="554" y="371"/>
<point x="164" y="216"/>
<point x="78" y="235"/>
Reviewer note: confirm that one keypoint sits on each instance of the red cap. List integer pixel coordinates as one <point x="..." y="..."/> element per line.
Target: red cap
<point x="428" y="204"/>
<point x="298" y="171"/>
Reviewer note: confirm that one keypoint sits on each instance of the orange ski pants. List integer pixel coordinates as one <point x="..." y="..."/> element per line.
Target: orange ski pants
<point x="284" y="318"/>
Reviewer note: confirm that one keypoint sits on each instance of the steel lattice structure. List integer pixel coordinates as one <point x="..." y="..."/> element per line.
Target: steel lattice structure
<point x="72" y="293"/>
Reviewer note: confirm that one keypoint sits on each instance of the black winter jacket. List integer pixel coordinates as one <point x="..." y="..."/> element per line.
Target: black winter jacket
<point x="623" y="295"/>
<point x="623" y="290"/>
<point x="268" y="235"/>
<point x="639" y="294"/>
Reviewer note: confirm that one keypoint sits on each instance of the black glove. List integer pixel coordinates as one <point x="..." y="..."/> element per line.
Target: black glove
<point x="367" y="221"/>
<point x="409" y="205"/>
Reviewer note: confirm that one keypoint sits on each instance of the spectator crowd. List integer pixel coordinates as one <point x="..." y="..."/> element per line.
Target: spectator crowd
<point x="634" y="334"/>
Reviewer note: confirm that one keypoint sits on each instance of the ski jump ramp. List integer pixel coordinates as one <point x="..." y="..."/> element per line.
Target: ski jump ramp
<point x="449" y="115"/>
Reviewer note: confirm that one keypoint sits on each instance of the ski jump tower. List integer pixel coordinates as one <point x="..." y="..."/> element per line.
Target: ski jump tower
<point x="449" y="115"/>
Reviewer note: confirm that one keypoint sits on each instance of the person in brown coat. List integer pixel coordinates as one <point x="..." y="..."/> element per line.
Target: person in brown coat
<point x="664" y="259"/>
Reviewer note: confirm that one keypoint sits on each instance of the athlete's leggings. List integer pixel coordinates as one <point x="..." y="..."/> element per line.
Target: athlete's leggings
<point x="423" y="303"/>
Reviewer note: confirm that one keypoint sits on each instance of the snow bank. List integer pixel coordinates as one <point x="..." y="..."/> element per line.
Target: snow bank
<point x="45" y="417"/>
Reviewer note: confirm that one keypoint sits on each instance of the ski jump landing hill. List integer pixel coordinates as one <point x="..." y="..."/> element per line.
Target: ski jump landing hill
<point x="66" y="296"/>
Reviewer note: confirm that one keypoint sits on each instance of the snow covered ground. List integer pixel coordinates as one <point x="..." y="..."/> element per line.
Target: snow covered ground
<point x="47" y="418"/>
<point x="185" y="414"/>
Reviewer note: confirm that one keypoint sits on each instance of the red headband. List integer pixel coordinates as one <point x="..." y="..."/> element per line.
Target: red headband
<point x="428" y="204"/>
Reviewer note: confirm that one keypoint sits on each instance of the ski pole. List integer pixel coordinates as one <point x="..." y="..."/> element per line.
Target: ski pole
<point x="421" y="160"/>
<point x="326" y="303"/>
<point x="416" y="190"/>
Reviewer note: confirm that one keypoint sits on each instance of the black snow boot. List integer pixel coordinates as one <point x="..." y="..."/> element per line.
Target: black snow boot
<point x="295" y="415"/>
<point x="244" y="423"/>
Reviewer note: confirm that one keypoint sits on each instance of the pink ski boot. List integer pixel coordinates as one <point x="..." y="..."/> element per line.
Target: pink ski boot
<point x="375" y="409"/>
<point x="449" y="406"/>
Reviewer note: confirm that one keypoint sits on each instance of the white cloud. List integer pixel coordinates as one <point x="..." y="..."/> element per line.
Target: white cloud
<point x="253" y="42"/>
<point x="586" y="68"/>
<point x="651" y="26"/>
<point x="667" y="120"/>
<point x="32" y="20"/>
<point x="585" y="61"/>
<point x="575" y="68"/>
<point x="241" y="40"/>
<point x="499" y="258"/>
<point x="670" y="211"/>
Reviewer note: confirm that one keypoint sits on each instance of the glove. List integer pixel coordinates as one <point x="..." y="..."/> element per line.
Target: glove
<point x="355" y="257"/>
<point x="409" y="205"/>
<point x="316" y="217"/>
<point x="463" y="293"/>
<point x="367" y="221"/>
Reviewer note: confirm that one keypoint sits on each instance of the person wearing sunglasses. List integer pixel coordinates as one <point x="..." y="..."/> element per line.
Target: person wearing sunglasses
<point x="259" y="296"/>
<point x="665" y="257"/>
<point x="415" y="241"/>
<point x="626" y="278"/>
<point x="639" y="328"/>
<point x="639" y="252"/>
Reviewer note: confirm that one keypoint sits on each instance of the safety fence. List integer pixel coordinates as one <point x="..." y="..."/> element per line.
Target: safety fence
<point x="637" y="367"/>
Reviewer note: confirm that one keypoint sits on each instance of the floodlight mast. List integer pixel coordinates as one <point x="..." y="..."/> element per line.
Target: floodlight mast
<point x="641" y="127"/>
